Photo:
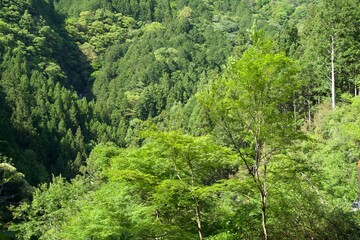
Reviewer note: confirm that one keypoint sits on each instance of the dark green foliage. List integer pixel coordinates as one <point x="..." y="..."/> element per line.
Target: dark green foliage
<point x="35" y="72"/>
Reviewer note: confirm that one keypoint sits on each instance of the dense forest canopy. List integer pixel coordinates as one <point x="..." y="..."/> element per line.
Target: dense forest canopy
<point x="179" y="119"/>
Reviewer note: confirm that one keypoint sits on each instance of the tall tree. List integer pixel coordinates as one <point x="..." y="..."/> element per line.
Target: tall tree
<point x="330" y="46"/>
<point x="251" y="104"/>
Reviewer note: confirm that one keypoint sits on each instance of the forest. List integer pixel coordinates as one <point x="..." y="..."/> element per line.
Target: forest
<point x="179" y="119"/>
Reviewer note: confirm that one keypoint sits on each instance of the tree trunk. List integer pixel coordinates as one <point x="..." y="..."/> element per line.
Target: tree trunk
<point x="198" y="220"/>
<point x="197" y="207"/>
<point x="355" y="89"/>
<point x="263" y="215"/>
<point x="332" y="73"/>
<point x="261" y="184"/>
<point x="263" y="203"/>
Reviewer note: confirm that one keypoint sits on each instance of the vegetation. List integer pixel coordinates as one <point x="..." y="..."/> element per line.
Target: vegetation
<point x="178" y="119"/>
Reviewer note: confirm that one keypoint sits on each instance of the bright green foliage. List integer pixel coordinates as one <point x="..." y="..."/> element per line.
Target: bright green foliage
<point x="72" y="8"/>
<point x="184" y="167"/>
<point x="13" y="190"/>
<point x="157" y="190"/>
<point x="105" y="214"/>
<point x="331" y="154"/>
<point x="96" y="31"/>
<point x="251" y="105"/>
<point x="338" y="141"/>
<point x="52" y="204"/>
<point x="298" y="205"/>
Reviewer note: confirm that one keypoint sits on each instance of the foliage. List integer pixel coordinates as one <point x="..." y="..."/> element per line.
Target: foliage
<point x="330" y="20"/>
<point x="251" y="106"/>
<point x="14" y="189"/>
<point x="150" y="191"/>
<point x="52" y="204"/>
<point x="241" y="135"/>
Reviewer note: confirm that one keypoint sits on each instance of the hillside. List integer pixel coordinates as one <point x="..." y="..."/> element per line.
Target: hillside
<point x="179" y="119"/>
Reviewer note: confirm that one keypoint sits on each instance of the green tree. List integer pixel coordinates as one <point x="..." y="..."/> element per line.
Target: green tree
<point x="52" y="204"/>
<point x="14" y="189"/>
<point x="251" y="105"/>
<point x="175" y="187"/>
<point x="193" y="162"/>
<point x="330" y="42"/>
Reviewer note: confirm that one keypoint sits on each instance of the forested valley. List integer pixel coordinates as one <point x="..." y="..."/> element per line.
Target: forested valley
<point x="179" y="119"/>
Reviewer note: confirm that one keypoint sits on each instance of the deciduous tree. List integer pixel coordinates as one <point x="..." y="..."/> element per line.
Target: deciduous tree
<point x="251" y="104"/>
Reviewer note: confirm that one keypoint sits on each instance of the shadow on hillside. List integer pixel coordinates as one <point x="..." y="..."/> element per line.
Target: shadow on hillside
<point x="71" y="59"/>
